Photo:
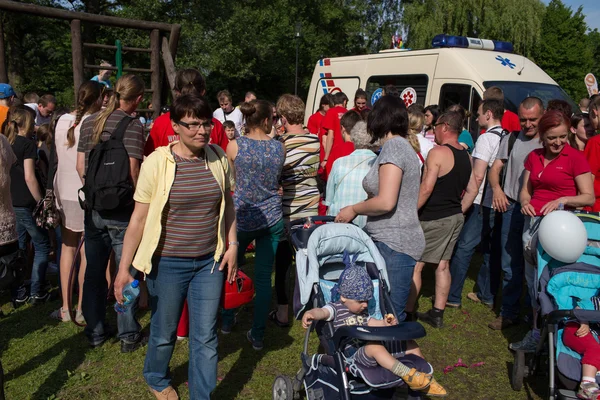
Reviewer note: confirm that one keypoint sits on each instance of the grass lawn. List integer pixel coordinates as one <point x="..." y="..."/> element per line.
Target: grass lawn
<point x="46" y="359"/>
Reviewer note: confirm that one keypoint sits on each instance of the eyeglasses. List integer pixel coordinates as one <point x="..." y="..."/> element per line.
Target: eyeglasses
<point x="194" y="126"/>
<point x="440" y="123"/>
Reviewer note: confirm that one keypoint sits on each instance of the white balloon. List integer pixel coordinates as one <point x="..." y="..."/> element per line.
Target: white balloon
<point x="563" y="236"/>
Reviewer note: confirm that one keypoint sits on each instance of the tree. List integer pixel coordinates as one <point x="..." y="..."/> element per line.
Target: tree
<point x="516" y="21"/>
<point x="565" y="52"/>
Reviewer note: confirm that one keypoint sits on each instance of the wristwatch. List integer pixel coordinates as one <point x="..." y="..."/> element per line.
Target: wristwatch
<point x="233" y="243"/>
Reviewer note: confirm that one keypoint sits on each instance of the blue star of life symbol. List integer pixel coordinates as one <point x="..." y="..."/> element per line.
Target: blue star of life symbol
<point x="505" y="62"/>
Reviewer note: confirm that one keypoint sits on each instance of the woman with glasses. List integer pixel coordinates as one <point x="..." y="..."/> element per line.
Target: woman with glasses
<point x="183" y="192"/>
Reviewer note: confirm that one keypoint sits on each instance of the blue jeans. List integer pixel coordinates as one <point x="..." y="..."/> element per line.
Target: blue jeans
<point x="478" y="228"/>
<point x="41" y="244"/>
<point x="400" y="269"/>
<point x="103" y="234"/>
<point x="267" y="241"/>
<point x="171" y="281"/>
<point x="512" y="260"/>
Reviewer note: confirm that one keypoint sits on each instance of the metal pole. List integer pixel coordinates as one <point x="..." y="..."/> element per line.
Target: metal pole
<point x="119" y="58"/>
<point x="77" y="50"/>
<point x="155" y="67"/>
<point x="297" y="36"/>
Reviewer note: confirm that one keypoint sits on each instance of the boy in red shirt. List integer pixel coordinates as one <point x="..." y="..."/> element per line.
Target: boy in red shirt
<point x="330" y="135"/>
<point x="315" y="120"/>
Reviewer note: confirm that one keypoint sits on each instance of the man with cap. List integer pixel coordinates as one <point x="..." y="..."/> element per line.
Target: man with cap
<point x="355" y="289"/>
<point x="7" y="94"/>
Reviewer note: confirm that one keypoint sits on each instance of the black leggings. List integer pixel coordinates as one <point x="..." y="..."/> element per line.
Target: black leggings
<point x="283" y="260"/>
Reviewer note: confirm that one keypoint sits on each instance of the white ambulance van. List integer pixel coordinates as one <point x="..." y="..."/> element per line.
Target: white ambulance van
<point x="456" y="71"/>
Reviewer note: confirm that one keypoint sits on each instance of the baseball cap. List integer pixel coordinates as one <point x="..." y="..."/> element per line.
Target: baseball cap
<point x="6" y="91"/>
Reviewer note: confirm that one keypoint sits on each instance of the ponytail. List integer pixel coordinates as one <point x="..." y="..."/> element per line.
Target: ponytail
<point x="19" y="117"/>
<point x="87" y="102"/>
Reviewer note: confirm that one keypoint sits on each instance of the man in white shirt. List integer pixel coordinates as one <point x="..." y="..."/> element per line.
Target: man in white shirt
<point x="226" y="111"/>
<point x="479" y="221"/>
<point x="43" y="109"/>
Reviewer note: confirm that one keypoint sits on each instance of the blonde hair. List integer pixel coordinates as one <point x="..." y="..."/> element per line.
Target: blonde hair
<point x="19" y="117"/>
<point x="127" y="89"/>
<point x="291" y="108"/>
<point x="416" y="120"/>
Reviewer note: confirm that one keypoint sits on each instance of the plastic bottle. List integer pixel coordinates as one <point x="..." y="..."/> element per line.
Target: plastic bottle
<point x="561" y="206"/>
<point x="308" y="223"/>
<point x="130" y="293"/>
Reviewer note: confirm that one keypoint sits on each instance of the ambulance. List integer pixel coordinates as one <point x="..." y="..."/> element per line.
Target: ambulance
<point x="456" y="70"/>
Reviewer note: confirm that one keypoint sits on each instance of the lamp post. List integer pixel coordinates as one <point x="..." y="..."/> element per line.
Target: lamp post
<point x="297" y="37"/>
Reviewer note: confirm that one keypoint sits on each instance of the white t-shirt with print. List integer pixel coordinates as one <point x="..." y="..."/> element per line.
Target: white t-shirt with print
<point x="236" y="116"/>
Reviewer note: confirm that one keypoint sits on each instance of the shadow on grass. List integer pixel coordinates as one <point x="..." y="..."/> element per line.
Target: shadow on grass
<point x="29" y="320"/>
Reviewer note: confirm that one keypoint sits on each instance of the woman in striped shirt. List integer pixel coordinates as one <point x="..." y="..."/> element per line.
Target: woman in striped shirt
<point x="183" y="218"/>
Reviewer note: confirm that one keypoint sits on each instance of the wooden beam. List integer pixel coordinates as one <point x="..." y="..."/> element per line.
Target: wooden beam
<point x="169" y="65"/>
<point x="110" y="47"/>
<point x="50" y="12"/>
<point x="174" y="40"/>
<point x="155" y="67"/>
<point x="100" y="67"/>
<point x="77" y="51"/>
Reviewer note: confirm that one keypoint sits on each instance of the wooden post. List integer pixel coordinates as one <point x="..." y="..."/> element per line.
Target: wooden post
<point x="3" y="66"/>
<point x="155" y="67"/>
<point x="169" y="65"/>
<point x="77" y="50"/>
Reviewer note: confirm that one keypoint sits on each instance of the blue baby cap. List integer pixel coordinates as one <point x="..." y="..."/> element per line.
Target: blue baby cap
<point x="354" y="282"/>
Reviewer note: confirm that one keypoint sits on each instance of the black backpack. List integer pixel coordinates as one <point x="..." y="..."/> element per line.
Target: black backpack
<point x="107" y="183"/>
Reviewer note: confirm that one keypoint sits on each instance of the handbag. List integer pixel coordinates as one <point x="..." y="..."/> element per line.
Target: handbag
<point x="238" y="292"/>
<point x="45" y="213"/>
<point x="12" y="269"/>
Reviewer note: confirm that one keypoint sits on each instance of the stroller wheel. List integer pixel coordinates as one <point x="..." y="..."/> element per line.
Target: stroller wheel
<point x="282" y="388"/>
<point x="518" y="372"/>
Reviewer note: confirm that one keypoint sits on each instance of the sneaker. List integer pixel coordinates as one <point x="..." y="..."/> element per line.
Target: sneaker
<point x="39" y="298"/>
<point x="61" y="315"/>
<point x="167" y="394"/>
<point x="473" y="297"/>
<point x="417" y="380"/>
<point x="434" y="390"/>
<point x="256" y="344"/>
<point x="436" y="322"/>
<point x="502" y="323"/>
<point x="128" y="347"/>
<point x="227" y="327"/>
<point x="79" y="318"/>
<point x="528" y="344"/>
<point x="588" y="391"/>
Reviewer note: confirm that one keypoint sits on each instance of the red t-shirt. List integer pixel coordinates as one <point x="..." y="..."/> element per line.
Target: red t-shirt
<point x="511" y="121"/>
<point x="331" y="120"/>
<point x="592" y="154"/>
<point x="314" y="123"/>
<point x="557" y="179"/>
<point x="162" y="134"/>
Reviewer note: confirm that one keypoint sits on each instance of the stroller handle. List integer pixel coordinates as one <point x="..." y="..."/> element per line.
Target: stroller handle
<point x="402" y="331"/>
<point x="557" y="316"/>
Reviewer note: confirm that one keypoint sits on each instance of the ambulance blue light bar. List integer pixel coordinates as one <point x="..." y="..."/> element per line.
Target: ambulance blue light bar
<point x="464" y="42"/>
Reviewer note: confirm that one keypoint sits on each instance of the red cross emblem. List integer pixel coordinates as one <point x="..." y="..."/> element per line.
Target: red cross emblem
<point x="408" y="98"/>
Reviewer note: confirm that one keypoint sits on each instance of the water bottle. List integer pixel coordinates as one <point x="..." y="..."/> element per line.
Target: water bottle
<point x="561" y="206"/>
<point x="130" y="293"/>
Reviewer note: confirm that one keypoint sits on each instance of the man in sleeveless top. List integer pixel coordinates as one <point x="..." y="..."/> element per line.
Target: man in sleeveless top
<point x="446" y="176"/>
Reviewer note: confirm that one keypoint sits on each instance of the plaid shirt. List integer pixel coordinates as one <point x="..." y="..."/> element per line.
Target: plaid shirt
<point x="344" y="185"/>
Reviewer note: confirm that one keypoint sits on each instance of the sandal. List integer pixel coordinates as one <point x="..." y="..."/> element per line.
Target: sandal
<point x="79" y="317"/>
<point x="273" y="317"/>
<point x="61" y="315"/>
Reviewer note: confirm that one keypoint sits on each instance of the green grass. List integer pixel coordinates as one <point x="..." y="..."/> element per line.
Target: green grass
<point x="45" y="359"/>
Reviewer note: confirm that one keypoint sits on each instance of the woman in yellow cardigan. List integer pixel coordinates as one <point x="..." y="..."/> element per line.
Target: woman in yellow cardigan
<point x="182" y="221"/>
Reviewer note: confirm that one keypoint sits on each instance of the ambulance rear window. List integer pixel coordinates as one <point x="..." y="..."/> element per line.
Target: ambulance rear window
<point x="515" y="92"/>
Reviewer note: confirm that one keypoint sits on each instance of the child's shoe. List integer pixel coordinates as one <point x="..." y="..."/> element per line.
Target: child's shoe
<point x="434" y="390"/>
<point x="417" y="380"/>
<point x="589" y="391"/>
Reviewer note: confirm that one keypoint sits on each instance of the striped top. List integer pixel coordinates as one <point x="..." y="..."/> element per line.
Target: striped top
<point x="192" y="211"/>
<point x="299" y="176"/>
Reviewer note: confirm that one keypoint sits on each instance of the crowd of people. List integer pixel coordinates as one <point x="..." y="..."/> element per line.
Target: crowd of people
<point x="186" y="201"/>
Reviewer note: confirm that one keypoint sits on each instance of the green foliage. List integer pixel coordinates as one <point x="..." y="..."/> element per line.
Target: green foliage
<point x="565" y="52"/>
<point x="516" y="21"/>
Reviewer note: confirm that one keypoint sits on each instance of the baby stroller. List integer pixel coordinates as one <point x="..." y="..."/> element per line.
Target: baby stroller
<point x="319" y="252"/>
<point x="560" y="287"/>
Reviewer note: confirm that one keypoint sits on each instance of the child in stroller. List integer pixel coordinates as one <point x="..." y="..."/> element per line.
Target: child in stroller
<point x="578" y="337"/>
<point x="355" y="289"/>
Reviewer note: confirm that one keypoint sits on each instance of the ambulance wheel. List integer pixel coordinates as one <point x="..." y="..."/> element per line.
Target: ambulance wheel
<point x="518" y="372"/>
<point x="282" y="388"/>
